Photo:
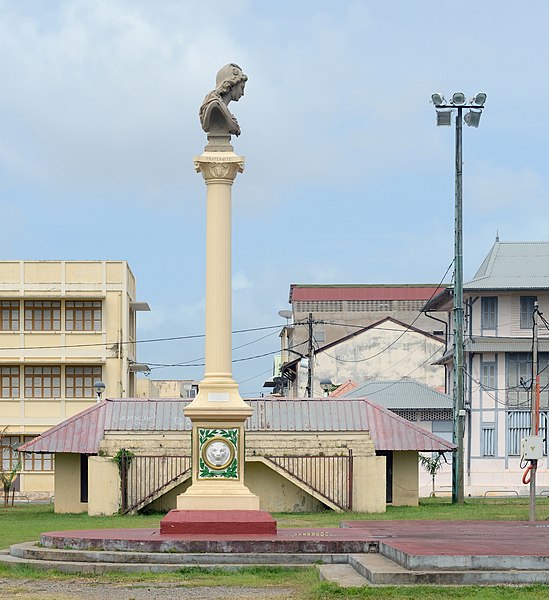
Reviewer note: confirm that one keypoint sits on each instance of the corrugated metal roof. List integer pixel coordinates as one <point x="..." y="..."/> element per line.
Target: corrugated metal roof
<point x="147" y="415"/>
<point x="82" y="433"/>
<point x="401" y="394"/>
<point x="388" y="433"/>
<point x="311" y="292"/>
<point x="513" y="265"/>
<point x="503" y="344"/>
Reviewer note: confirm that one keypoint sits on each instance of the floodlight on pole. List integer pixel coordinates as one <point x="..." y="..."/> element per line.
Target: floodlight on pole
<point x="444" y="118"/>
<point x="438" y="99"/>
<point x="478" y="99"/>
<point x="472" y="118"/>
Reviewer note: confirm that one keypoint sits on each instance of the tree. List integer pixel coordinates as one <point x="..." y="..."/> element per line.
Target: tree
<point x="432" y="464"/>
<point x="8" y="467"/>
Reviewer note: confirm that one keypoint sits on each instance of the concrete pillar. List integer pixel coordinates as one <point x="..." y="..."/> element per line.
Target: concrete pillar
<point x="218" y="412"/>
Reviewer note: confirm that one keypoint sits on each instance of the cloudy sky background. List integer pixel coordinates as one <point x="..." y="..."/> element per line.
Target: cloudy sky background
<point x="347" y="180"/>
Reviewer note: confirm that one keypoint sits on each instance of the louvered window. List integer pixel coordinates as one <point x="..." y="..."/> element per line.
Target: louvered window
<point x="518" y="427"/>
<point x="488" y="440"/>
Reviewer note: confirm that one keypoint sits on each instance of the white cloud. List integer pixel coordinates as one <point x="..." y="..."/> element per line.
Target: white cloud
<point x="241" y="282"/>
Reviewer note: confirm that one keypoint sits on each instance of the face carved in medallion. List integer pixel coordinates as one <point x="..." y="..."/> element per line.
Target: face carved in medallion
<point x="218" y="453"/>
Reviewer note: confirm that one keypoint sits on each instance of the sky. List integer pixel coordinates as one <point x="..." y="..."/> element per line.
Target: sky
<point x="347" y="179"/>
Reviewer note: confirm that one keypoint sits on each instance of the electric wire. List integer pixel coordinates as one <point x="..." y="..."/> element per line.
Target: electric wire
<point x="125" y="342"/>
<point x="408" y="328"/>
<point x="189" y="362"/>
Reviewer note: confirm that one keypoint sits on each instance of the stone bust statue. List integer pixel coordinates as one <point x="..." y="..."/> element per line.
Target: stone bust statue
<point x="216" y="119"/>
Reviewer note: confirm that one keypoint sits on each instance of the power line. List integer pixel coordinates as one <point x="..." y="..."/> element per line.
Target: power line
<point x="235" y="360"/>
<point x="125" y="342"/>
<point x="408" y="328"/>
<point x="187" y="363"/>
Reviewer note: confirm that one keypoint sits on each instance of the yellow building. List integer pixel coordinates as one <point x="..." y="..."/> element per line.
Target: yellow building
<point x="63" y="326"/>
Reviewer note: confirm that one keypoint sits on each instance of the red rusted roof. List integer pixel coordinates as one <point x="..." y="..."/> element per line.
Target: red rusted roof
<point x="363" y="292"/>
<point x="344" y="389"/>
<point x="83" y="432"/>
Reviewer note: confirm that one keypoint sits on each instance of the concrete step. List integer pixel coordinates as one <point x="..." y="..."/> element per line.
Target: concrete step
<point x="32" y="551"/>
<point x="343" y="575"/>
<point x="463" y="562"/>
<point x="380" y="570"/>
<point x="106" y="567"/>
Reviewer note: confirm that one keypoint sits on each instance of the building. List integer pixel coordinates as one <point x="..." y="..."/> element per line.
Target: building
<point x="420" y="404"/>
<point x="338" y="310"/>
<point x="387" y="349"/>
<point x="64" y="325"/>
<point x="301" y="455"/>
<point x="166" y="388"/>
<point x="324" y="315"/>
<point x="499" y="303"/>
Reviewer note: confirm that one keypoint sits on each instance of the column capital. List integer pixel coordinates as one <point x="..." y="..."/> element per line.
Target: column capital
<point x="219" y="165"/>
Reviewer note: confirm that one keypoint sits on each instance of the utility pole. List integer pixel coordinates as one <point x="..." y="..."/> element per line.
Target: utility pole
<point x="534" y="415"/>
<point x="444" y="112"/>
<point x="310" y="355"/>
<point x="459" y="405"/>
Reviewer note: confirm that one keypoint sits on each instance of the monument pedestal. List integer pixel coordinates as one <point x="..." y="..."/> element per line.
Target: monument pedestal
<point x="220" y="522"/>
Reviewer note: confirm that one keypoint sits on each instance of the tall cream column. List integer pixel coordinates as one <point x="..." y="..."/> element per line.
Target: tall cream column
<point x="218" y="412"/>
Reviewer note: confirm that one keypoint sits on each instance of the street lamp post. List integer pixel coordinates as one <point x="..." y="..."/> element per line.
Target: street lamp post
<point x="444" y="111"/>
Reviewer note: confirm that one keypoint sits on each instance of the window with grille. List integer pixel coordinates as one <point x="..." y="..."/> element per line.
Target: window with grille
<point x="9" y="315"/>
<point x="9" y="378"/>
<point x="488" y="440"/>
<point x="42" y="315"/>
<point x="526" y="311"/>
<point x="38" y="461"/>
<point x="488" y="375"/>
<point x="30" y="460"/>
<point x="519" y="378"/>
<point x="83" y="315"/>
<point x="489" y="312"/>
<point x="409" y="415"/>
<point x="79" y="381"/>
<point x="9" y="454"/>
<point x="42" y="382"/>
<point x="437" y="414"/>
<point x="518" y="427"/>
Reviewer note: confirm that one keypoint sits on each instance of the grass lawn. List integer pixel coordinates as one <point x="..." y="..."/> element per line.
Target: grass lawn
<point x="26" y="522"/>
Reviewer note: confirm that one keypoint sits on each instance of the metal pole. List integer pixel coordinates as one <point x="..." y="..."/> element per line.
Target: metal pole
<point x="310" y="354"/>
<point x="534" y="417"/>
<point x="458" y="395"/>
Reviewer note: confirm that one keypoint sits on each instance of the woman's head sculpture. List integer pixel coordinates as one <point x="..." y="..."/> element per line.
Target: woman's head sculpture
<point x="216" y="119"/>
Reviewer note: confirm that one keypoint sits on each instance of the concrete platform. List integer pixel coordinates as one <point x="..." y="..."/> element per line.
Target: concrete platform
<point x="460" y="544"/>
<point x="331" y="541"/>
<point x="358" y="553"/>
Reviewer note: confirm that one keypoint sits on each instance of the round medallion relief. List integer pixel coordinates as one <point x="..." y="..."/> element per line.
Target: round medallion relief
<point x="218" y="453"/>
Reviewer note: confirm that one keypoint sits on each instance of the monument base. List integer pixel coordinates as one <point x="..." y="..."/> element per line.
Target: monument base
<point x="221" y="522"/>
<point x="211" y="499"/>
